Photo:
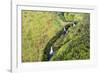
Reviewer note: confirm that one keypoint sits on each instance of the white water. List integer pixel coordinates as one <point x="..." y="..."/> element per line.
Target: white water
<point x="51" y="51"/>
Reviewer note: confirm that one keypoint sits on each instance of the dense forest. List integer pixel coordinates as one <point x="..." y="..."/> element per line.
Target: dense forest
<point x="55" y="36"/>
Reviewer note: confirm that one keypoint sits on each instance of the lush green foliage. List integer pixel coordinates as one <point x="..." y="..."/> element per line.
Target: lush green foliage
<point x="37" y="29"/>
<point x="75" y="45"/>
<point x="40" y="30"/>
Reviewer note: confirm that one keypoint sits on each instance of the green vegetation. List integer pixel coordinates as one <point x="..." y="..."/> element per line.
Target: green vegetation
<point x="41" y="30"/>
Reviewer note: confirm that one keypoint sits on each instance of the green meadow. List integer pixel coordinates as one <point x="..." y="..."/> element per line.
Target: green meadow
<point x="43" y="29"/>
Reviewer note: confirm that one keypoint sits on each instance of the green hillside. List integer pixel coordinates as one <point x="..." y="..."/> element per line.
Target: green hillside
<point x="41" y="30"/>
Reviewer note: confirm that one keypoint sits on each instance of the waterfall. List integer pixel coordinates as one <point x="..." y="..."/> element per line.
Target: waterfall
<point x="51" y="51"/>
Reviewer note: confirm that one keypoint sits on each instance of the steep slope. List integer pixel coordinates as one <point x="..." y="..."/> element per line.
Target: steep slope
<point x="37" y="28"/>
<point x="74" y="45"/>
